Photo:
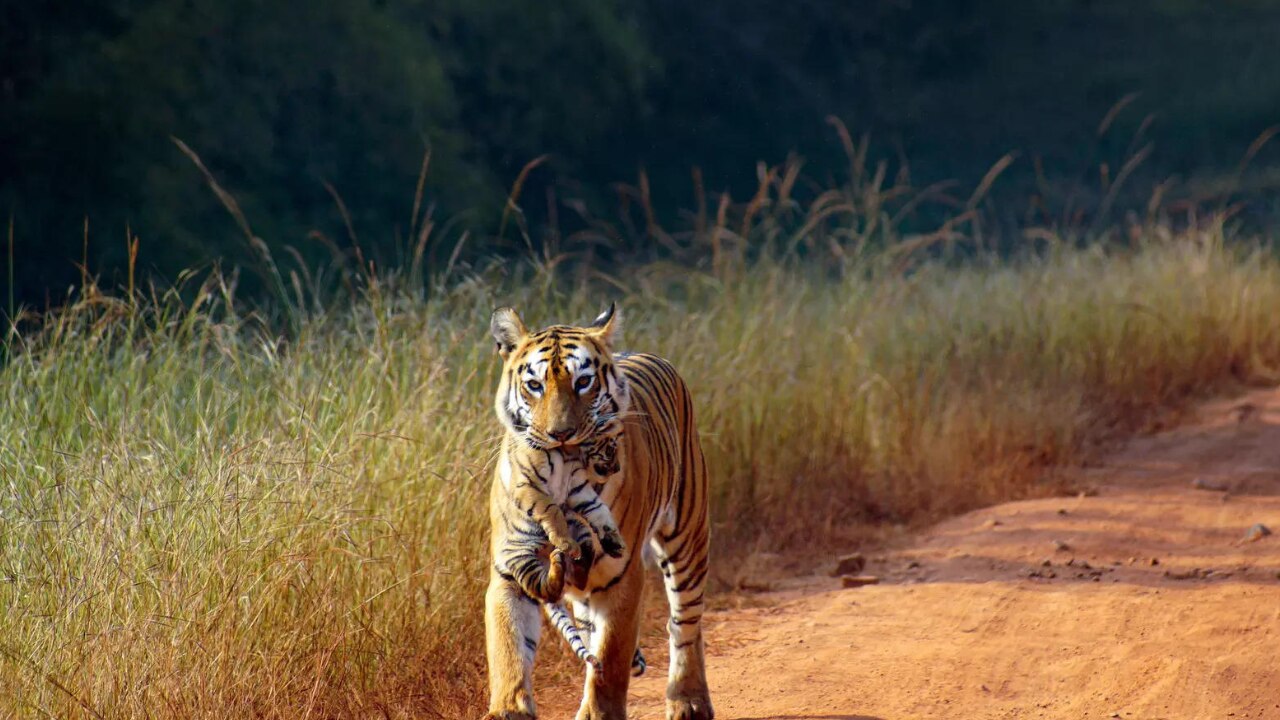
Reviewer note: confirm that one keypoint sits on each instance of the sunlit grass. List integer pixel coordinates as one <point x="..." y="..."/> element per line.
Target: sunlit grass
<point x="201" y="519"/>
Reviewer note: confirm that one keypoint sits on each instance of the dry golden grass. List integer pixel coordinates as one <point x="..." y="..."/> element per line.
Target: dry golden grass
<point x="201" y="516"/>
<point x="202" y="520"/>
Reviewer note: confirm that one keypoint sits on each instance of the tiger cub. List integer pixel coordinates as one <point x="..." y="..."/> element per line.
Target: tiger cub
<point x="549" y="482"/>
<point x="556" y="485"/>
<point x="597" y="457"/>
<point x="600" y="457"/>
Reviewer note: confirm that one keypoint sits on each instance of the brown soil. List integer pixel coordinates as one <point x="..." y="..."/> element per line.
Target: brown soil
<point x="1140" y="598"/>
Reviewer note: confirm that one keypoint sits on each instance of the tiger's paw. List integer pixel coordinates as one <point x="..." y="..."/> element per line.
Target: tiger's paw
<point x="638" y="664"/>
<point x="695" y="708"/>
<point x="612" y="543"/>
<point x="509" y="716"/>
<point x="589" y="712"/>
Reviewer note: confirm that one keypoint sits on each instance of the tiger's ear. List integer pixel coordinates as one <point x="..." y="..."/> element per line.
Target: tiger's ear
<point x="608" y="325"/>
<point x="507" y="330"/>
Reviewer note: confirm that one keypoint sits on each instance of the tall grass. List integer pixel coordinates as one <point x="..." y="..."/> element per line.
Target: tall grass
<point x="203" y="516"/>
<point x="201" y="520"/>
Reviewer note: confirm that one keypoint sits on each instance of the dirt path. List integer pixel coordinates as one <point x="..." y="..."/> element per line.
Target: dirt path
<point x="1140" y="601"/>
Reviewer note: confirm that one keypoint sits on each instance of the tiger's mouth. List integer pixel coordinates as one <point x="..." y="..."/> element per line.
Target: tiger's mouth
<point x="600" y="427"/>
<point x="540" y="440"/>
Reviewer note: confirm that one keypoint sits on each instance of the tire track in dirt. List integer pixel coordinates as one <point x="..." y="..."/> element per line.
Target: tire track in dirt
<point x="1142" y="600"/>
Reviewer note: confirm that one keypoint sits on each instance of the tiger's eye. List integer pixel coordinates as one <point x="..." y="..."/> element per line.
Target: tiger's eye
<point x="533" y="386"/>
<point x="583" y="382"/>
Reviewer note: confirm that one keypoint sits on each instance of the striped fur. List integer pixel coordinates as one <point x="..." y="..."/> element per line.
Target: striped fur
<point x="656" y="495"/>
<point x="600" y="458"/>
<point x="563" y="622"/>
<point x="563" y="481"/>
<point x="541" y="484"/>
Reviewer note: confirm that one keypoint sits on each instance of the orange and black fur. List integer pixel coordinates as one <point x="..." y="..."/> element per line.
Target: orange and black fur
<point x="559" y="387"/>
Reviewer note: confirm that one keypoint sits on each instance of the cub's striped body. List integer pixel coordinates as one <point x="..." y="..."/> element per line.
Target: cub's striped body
<point x="598" y="458"/>
<point x="542" y="483"/>
<point x="560" y="387"/>
<point x="548" y="484"/>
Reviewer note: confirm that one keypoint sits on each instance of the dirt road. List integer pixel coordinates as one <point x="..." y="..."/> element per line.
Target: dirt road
<point x="1144" y="600"/>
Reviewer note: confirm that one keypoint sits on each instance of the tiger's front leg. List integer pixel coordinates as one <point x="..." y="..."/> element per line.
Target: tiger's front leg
<point x="512" y="626"/>
<point x="614" y="616"/>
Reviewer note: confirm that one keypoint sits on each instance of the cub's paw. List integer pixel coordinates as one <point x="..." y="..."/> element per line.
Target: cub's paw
<point x="568" y="547"/>
<point x="558" y="562"/>
<point x="579" y="570"/>
<point x="515" y="715"/>
<point x="612" y="543"/>
<point x="606" y="469"/>
<point x="551" y="589"/>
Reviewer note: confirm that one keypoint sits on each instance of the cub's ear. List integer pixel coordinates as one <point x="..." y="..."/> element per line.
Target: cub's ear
<point x="507" y="330"/>
<point x="608" y="325"/>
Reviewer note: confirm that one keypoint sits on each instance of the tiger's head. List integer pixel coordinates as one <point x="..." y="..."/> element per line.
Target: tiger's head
<point x="559" y="385"/>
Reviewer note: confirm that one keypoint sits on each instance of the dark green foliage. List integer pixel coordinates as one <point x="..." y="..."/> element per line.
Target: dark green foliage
<point x="281" y="99"/>
<point x="285" y="100"/>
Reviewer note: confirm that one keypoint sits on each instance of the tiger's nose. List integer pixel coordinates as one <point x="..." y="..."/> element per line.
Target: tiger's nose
<point x="563" y="435"/>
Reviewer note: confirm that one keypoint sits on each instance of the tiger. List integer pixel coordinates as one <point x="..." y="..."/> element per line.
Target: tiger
<point x="558" y="387"/>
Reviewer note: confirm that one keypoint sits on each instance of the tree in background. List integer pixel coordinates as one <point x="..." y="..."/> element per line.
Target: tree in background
<point x="283" y="101"/>
<point x="290" y="104"/>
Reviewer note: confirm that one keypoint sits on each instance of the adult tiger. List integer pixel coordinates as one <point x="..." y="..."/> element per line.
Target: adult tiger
<point x="559" y="385"/>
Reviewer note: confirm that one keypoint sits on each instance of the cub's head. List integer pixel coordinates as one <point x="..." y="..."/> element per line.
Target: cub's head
<point x="559" y="385"/>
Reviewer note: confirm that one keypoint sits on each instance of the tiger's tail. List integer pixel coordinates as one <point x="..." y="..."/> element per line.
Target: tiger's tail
<point x="563" y="622"/>
<point x="638" y="664"/>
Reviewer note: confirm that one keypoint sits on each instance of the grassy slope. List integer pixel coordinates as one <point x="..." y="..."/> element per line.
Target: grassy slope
<point x="197" y="520"/>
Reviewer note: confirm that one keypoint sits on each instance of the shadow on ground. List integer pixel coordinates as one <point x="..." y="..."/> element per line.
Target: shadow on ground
<point x="809" y="717"/>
